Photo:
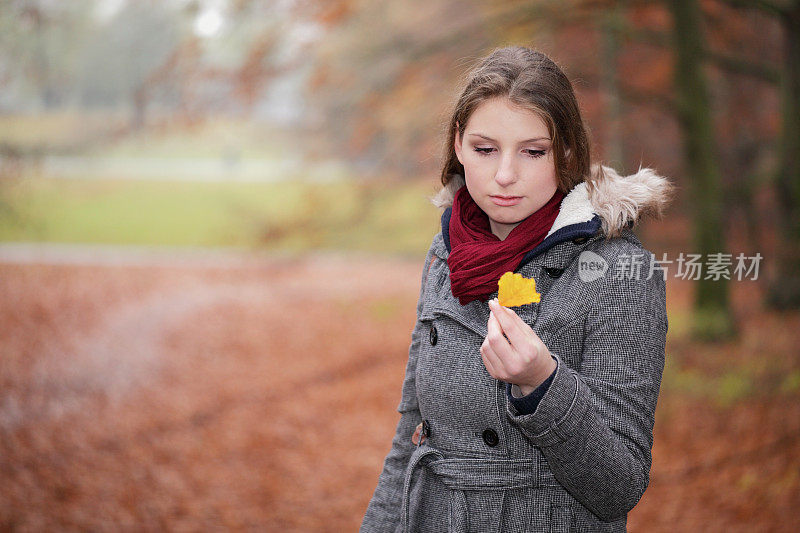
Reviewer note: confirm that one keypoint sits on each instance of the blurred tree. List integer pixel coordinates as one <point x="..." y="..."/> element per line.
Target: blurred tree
<point x="712" y="312"/>
<point x="121" y="55"/>
<point x="784" y="287"/>
<point x="379" y="83"/>
<point x="611" y="26"/>
<point x="39" y="42"/>
<point x="745" y="105"/>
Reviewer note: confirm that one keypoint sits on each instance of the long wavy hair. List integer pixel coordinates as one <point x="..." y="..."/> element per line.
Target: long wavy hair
<point x="533" y="81"/>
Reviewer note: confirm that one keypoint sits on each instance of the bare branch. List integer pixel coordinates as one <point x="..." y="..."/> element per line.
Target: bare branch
<point x="742" y="66"/>
<point x="661" y="101"/>
<point x="773" y="8"/>
<point x="724" y="61"/>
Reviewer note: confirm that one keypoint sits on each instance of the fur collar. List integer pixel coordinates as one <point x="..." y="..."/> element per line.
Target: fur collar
<point x="618" y="201"/>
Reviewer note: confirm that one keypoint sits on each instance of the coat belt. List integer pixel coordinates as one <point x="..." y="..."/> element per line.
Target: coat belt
<point x="467" y="473"/>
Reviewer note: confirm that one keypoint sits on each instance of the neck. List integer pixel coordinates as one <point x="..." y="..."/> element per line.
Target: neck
<point x="501" y="231"/>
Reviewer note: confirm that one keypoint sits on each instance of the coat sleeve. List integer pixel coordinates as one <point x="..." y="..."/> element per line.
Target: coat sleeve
<point x="595" y="426"/>
<point x="383" y="511"/>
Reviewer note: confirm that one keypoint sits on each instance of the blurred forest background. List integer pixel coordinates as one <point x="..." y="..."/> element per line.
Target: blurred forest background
<point x="190" y="189"/>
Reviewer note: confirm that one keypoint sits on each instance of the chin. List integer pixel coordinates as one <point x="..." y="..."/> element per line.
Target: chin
<point x="506" y="218"/>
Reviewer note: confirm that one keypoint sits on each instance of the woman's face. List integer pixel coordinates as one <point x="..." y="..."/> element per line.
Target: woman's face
<point x="508" y="163"/>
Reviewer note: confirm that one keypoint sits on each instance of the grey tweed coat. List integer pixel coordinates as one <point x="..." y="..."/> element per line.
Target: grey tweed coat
<point x="582" y="459"/>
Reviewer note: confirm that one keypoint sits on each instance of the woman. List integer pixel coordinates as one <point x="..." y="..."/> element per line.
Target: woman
<point x="538" y="418"/>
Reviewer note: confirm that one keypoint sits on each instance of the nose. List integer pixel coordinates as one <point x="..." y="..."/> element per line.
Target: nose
<point x="506" y="173"/>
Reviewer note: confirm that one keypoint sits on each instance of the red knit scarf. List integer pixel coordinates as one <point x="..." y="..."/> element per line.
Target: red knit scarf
<point x="478" y="257"/>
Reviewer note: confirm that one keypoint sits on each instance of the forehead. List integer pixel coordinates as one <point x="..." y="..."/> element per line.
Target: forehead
<point x="500" y="119"/>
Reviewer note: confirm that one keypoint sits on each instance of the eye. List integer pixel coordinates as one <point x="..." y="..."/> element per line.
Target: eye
<point x="536" y="153"/>
<point x="483" y="151"/>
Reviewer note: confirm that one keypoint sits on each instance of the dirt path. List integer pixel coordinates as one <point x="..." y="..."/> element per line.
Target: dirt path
<point x="259" y="394"/>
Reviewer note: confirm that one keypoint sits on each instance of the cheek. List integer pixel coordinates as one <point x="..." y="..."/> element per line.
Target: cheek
<point x="476" y="181"/>
<point x="550" y="175"/>
<point x="543" y="169"/>
<point x="541" y="181"/>
<point x="476" y="163"/>
<point x="469" y="156"/>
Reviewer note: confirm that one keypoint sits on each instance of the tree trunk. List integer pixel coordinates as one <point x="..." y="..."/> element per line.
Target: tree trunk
<point x="784" y="288"/>
<point x="139" y="107"/>
<point x="612" y="23"/>
<point x="712" y="317"/>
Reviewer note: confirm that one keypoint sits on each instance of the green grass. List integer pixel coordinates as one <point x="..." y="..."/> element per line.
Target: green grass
<point x="294" y="215"/>
<point x="723" y="389"/>
<point x="392" y="217"/>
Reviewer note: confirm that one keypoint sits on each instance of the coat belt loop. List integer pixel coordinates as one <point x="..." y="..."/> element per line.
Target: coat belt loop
<point x="421" y="451"/>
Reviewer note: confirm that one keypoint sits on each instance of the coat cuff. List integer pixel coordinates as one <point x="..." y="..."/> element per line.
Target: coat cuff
<point x="557" y="414"/>
<point x="527" y="404"/>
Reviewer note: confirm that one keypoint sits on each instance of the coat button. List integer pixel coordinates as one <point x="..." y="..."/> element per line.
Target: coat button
<point x="490" y="437"/>
<point x="434" y="336"/>
<point x="553" y="272"/>
<point x="426" y="429"/>
<point x="580" y="240"/>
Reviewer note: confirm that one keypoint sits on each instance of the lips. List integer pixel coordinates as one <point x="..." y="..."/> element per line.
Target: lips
<point x="506" y="201"/>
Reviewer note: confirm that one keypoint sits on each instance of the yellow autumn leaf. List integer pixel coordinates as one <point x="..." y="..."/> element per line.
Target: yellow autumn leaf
<point x="514" y="290"/>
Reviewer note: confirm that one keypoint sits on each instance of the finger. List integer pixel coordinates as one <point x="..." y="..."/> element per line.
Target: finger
<point x="517" y="331"/>
<point x="487" y="362"/>
<point x="496" y="339"/>
<point x="492" y="362"/>
<point x="511" y="356"/>
<point x="521" y="323"/>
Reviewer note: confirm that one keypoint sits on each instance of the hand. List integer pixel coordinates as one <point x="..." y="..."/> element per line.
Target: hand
<point x="415" y="438"/>
<point x="520" y="357"/>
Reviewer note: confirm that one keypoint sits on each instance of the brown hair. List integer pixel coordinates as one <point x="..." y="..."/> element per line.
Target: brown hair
<point x="531" y="80"/>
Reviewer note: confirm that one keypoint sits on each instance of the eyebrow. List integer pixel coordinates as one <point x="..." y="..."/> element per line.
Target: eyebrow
<point x="521" y="142"/>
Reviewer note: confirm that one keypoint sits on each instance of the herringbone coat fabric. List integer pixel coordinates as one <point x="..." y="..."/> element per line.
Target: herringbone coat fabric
<point x="581" y="461"/>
